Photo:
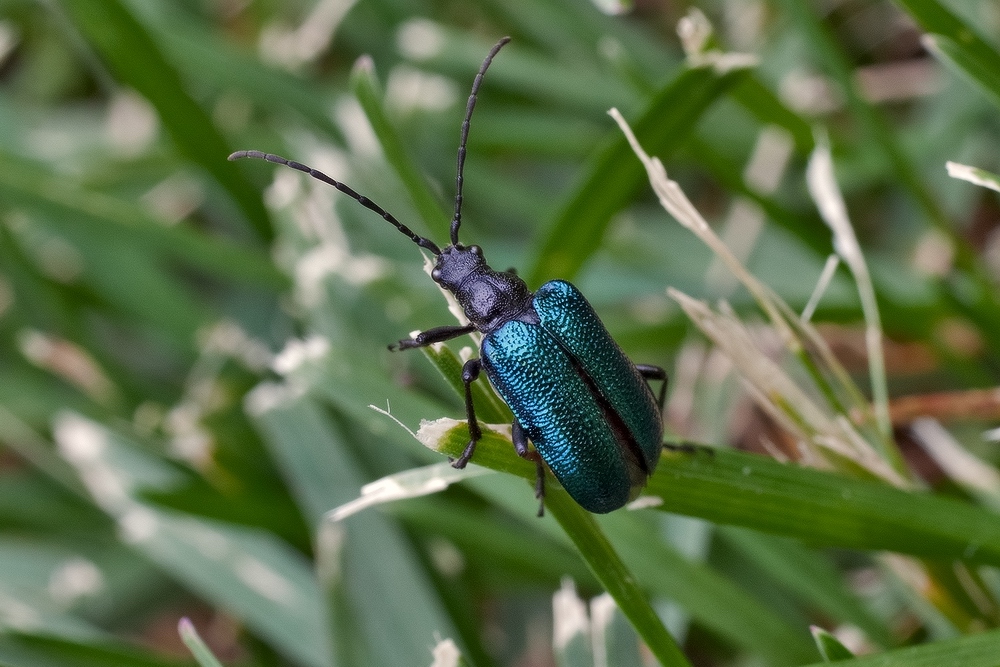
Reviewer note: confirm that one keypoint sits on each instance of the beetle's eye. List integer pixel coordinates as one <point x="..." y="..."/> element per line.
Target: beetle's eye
<point x="436" y="274"/>
<point x="475" y="250"/>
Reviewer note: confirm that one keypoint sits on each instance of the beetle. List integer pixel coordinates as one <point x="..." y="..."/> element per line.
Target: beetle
<point x="588" y="411"/>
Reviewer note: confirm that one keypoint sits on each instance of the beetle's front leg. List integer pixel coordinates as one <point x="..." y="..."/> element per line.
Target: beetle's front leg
<point x="470" y="371"/>
<point x="655" y="373"/>
<point x="435" y="335"/>
<point x="521" y="447"/>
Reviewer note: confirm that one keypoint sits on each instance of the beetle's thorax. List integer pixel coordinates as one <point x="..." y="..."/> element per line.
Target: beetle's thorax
<point x="489" y="298"/>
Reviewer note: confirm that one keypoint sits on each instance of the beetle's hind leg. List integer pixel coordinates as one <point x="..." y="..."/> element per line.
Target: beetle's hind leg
<point x="521" y="447"/>
<point x="687" y="447"/>
<point x="435" y="335"/>
<point x="470" y="371"/>
<point x="655" y="373"/>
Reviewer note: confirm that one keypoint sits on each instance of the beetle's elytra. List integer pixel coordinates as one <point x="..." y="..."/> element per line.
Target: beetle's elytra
<point x="587" y="410"/>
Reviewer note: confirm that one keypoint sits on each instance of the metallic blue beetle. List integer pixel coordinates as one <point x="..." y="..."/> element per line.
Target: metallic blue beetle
<point x="586" y="408"/>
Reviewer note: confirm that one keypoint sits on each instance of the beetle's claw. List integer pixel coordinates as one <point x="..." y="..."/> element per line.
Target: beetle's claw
<point x="405" y="344"/>
<point x="466" y="456"/>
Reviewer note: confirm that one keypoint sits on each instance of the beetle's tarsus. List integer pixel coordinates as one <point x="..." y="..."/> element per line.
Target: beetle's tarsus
<point x="520" y="441"/>
<point x="650" y="372"/>
<point x="688" y="447"/>
<point x="540" y="486"/>
<point x="466" y="456"/>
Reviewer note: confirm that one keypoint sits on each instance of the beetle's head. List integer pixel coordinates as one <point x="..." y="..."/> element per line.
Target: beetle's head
<point x="456" y="263"/>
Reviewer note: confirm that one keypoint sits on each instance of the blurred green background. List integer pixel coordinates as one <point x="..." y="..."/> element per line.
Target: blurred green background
<point x="189" y="347"/>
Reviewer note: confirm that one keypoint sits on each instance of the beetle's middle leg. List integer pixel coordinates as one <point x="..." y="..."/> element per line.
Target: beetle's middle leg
<point x="521" y="447"/>
<point x="655" y="373"/>
<point x="470" y="371"/>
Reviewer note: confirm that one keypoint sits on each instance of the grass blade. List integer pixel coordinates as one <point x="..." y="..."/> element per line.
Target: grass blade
<point x="137" y="61"/>
<point x="613" y="177"/>
<point x="606" y="565"/>
<point x="822" y="508"/>
<point x="975" y="651"/>
<point x="959" y="43"/>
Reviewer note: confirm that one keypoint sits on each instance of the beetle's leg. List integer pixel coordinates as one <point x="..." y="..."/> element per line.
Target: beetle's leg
<point x="435" y="335"/>
<point x="688" y="447"/>
<point x="521" y="447"/>
<point x="655" y="373"/>
<point x="470" y="371"/>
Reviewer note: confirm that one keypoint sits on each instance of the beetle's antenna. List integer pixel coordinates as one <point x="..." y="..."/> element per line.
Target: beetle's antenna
<point x="456" y="221"/>
<point x="361" y="199"/>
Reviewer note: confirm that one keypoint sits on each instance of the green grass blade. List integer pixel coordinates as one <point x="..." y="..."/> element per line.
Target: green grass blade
<point x="196" y="645"/>
<point x="810" y="576"/>
<point x="960" y="44"/>
<point x="528" y="73"/>
<point x="25" y="183"/>
<point x="377" y="561"/>
<point x="366" y="89"/>
<point x="606" y="565"/>
<point x="203" y="57"/>
<point x="979" y="67"/>
<point x="875" y="125"/>
<point x="980" y="650"/>
<point x="822" y="508"/>
<point x="38" y="650"/>
<point x="256" y="575"/>
<point x="136" y="60"/>
<point x="979" y="177"/>
<point x="614" y="176"/>
<point x="768" y="108"/>
<point x="713" y="601"/>
<point x="829" y="646"/>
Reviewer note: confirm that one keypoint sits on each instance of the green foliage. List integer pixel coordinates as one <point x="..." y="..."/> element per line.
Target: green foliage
<point x="190" y="348"/>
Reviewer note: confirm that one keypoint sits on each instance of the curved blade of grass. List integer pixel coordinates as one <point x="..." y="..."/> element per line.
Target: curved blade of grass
<point x="508" y="550"/>
<point x="971" y="174"/>
<point x="365" y="88"/>
<point x="29" y="569"/>
<point x="713" y="600"/>
<point x="137" y="61"/>
<point x="25" y="183"/>
<point x="879" y="131"/>
<point x="252" y="573"/>
<point x="809" y="575"/>
<point x="968" y="63"/>
<point x="200" y="651"/>
<point x="874" y="123"/>
<point x="822" y="508"/>
<point x="378" y="563"/>
<point x="768" y="108"/>
<point x="959" y="43"/>
<point x="829" y="646"/>
<point x="39" y="650"/>
<point x="823" y="187"/>
<point x="613" y="177"/>
<point x="974" y="651"/>
<point x="531" y="75"/>
<point x="609" y="569"/>
<point x="204" y="57"/>
<point x="805" y="225"/>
